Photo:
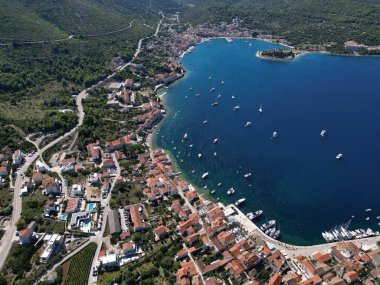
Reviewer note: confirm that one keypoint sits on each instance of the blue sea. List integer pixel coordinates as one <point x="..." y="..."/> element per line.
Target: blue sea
<point x="296" y="178"/>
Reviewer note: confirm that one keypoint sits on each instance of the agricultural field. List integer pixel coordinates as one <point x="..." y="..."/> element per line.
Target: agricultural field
<point x="80" y="266"/>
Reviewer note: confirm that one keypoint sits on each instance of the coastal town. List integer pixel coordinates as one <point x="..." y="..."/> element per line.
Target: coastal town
<point x="116" y="211"/>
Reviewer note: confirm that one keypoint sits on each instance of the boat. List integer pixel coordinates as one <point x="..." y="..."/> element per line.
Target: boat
<point x="274" y="135"/>
<point x="231" y="191"/>
<point x="191" y="88"/>
<point x="219" y="183"/>
<point x="268" y="225"/>
<point x="248" y="124"/>
<point x="239" y="202"/>
<point x="215" y="141"/>
<point x="199" y="155"/>
<point x="323" y="133"/>
<point x="205" y="175"/>
<point x="213" y="192"/>
<point x="367" y="219"/>
<point x="193" y="171"/>
<point x="272" y="232"/>
<point x="185" y="97"/>
<point x="197" y="95"/>
<point x="185" y="136"/>
<point x="233" y="97"/>
<point x="191" y="146"/>
<point x="250" y="216"/>
<point x="215" y="154"/>
<point x="339" y="156"/>
<point x="229" y="40"/>
<point x="236" y="108"/>
<point x="212" y="89"/>
<point x="276" y="234"/>
<point x="214" y="104"/>
<point x="204" y="122"/>
<point x="209" y="78"/>
<point x="219" y="96"/>
<point x="222" y="82"/>
<point x="368" y="210"/>
<point x="261" y="108"/>
<point x="247" y="175"/>
<point x="254" y="215"/>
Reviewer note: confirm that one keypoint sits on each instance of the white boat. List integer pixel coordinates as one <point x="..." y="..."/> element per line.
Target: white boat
<point x="261" y="108"/>
<point x="193" y="171"/>
<point x="247" y="175"/>
<point x="215" y="141"/>
<point x="204" y="175"/>
<point x="185" y="97"/>
<point x="368" y="210"/>
<point x="248" y="124"/>
<point x="191" y="88"/>
<point x="197" y="95"/>
<point x="367" y="219"/>
<point x="185" y="136"/>
<point x="215" y="154"/>
<point x="239" y="202"/>
<point x="212" y="89"/>
<point x="268" y="225"/>
<point x="250" y="216"/>
<point x="254" y="215"/>
<point x="231" y="191"/>
<point x="204" y="122"/>
<point x="236" y="108"/>
<point x="209" y="78"/>
<point x="274" y="135"/>
<point x="229" y="40"/>
<point x="222" y="82"/>
<point x="233" y="97"/>
<point x="199" y="155"/>
<point x="212" y="192"/>
<point x="191" y="145"/>
<point x="323" y="133"/>
<point x="219" y="183"/>
<point x="339" y="156"/>
<point x="219" y="96"/>
<point x="214" y="104"/>
<point x="276" y="234"/>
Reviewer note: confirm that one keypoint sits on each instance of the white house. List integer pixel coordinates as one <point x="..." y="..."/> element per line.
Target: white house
<point x="40" y="167"/>
<point x="77" y="191"/>
<point x="17" y="157"/>
<point x="53" y="245"/>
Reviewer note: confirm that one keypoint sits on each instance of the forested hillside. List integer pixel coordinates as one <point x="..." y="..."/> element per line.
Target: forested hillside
<point x="298" y="21"/>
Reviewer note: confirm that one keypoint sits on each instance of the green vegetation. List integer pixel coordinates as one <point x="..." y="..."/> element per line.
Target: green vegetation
<point x="278" y="54"/>
<point x="299" y="22"/>
<point x="80" y="266"/>
<point x="5" y="202"/>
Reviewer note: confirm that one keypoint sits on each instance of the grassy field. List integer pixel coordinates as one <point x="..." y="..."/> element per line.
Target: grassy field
<point x="80" y="266"/>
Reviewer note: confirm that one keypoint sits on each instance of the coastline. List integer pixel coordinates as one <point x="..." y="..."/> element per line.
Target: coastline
<point x="251" y="226"/>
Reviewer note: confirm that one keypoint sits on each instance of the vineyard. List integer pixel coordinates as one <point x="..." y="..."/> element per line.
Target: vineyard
<point x="80" y="266"/>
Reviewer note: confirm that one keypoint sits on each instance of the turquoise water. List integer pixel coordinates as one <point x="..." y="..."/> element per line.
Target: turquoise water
<point x="295" y="178"/>
<point x="91" y="206"/>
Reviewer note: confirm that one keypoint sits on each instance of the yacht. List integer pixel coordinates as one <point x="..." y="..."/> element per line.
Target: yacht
<point x="219" y="183"/>
<point x="229" y="40"/>
<point x="257" y="214"/>
<point x="271" y="232"/>
<point x="268" y="225"/>
<point x="212" y="89"/>
<point x="222" y="82"/>
<point x="219" y="96"/>
<point x="204" y="122"/>
<point x="204" y="175"/>
<point x="185" y="136"/>
<point x="215" y="141"/>
<point x="213" y="192"/>
<point x="197" y="95"/>
<point x="261" y="108"/>
<point x="236" y="108"/>
<point x="233" y="97"/>
<point x="276" y="234"/>
<point x="231" y="191"/>
<point x="250" y="216"/>
<point x="199" y="155"/>
<point x="239" y="202"/>
<point x="193" y="171"/>
<point x="248" y="124"/>
<point x="368" y="210"/>
<point x="191" y="146"/>
<point x="323" y="133"/>
<point x="339" y="156"/>
<point x="367" y="219"/>
<point x="214" y="104"/>
<point x="247" y="175"/>
<point x="274" y="135"/>
<point x="215" y="154"/>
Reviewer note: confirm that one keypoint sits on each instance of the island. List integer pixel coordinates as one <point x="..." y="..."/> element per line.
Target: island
<point x="277" y="54"/>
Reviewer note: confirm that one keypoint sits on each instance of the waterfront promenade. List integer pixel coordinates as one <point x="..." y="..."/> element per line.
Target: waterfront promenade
<point x="288" y="249"/>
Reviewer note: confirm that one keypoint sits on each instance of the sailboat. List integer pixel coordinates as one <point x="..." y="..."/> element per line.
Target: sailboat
<point x="261" y="108"/>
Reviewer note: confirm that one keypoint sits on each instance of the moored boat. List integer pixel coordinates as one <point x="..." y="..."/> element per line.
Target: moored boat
<point x="268" y="225"/>
<point x="204" y="175"/>
<point x="240" y="202"/>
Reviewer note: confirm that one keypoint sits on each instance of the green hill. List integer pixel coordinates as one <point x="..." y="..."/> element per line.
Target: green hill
<point x="299" y="21"/>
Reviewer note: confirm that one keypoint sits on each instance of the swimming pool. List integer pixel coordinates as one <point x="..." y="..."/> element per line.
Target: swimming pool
<point x="91" y="206"/>
<point x="86" y="226"/>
